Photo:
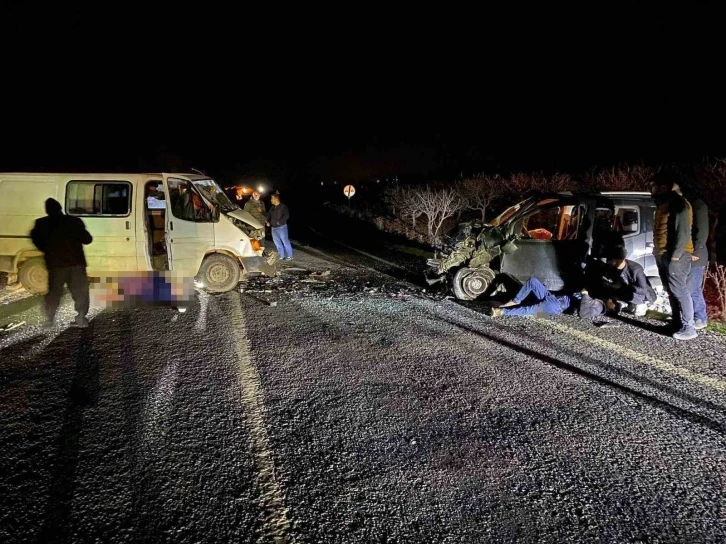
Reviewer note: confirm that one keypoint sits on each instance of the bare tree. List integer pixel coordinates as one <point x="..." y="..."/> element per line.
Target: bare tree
<point x="519" y="183"/>
<point x="622" y="178"/>
<point x="409" y="205"/>
<point x="480" y="191"/>
<point x="438" y="206"/>
<point x="559" y="183"/>
<point x="717" y="274"/>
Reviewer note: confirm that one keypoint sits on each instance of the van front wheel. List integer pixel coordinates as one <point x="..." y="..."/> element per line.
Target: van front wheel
<point x="219" y="273"/>
<point x="34" y="276"/>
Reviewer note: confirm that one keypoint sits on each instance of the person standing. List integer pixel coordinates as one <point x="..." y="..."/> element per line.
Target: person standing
<point x="256" y="207"/>
<point x="277" y="219"/>
<point x="61" y="238"/>
<point x="673" y="248"/>
<point x="699" y="262"/>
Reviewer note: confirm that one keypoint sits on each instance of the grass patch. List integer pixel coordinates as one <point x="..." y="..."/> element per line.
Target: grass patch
<point x="716" y="326"/>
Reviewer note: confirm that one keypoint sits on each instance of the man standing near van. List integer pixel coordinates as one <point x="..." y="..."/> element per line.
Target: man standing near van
<point x="673" y="248"/>
<point x="277" y="219"/>
<point x="699" y="261"/>
<point x="256" y="207"/>
<point x="61" y="238"/>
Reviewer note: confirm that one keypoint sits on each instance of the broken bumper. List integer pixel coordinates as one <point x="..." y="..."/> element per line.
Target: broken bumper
<point x="259" y="264"/>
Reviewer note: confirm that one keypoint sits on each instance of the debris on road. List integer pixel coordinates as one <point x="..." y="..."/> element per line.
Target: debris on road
<point x="302" y="283"/>
<point x="10" y="326"/>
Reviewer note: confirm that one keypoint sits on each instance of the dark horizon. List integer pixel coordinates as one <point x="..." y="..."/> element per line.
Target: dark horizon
<point x="550" y="92"/>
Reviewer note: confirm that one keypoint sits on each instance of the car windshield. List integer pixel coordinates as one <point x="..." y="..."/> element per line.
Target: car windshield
<point x="213" y="192"/>
<point x="506" y="214"/>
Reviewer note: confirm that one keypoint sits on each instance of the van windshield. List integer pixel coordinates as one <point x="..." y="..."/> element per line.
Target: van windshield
<point x="213" y="192"/>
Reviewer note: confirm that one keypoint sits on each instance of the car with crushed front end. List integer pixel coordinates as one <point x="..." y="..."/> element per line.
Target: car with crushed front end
<point x="550" y="236"/>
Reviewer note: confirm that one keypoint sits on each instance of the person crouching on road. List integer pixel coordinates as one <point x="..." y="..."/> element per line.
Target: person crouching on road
<point x="673" y="249"/>
<point x="277" y="219"/>
<point x="626" y="282"/>
<point x="547" y="303"/>
<point x="61" y="238"/>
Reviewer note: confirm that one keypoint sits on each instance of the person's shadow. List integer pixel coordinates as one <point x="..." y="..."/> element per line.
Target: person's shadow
<point x="664" y="329"/>
<point x="83" y="393"/>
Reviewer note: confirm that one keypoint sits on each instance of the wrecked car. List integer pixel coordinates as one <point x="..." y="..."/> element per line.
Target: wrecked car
<point x="549" y="236"/>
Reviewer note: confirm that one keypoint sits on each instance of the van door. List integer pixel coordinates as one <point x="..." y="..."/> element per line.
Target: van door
<point x="105" y="206"/>
<point x="189" y="225"/>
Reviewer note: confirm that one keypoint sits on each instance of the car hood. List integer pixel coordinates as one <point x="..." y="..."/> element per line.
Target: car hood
<point x="246" y="217"/>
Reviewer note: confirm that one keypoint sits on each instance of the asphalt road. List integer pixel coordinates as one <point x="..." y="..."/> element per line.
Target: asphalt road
<point x="358" y="408"/>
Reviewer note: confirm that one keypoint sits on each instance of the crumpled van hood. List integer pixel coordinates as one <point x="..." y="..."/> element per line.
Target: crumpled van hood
<point x="246" y="217"/>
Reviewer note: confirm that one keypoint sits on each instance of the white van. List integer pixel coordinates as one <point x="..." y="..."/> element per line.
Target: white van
<point x="139" y="222"/>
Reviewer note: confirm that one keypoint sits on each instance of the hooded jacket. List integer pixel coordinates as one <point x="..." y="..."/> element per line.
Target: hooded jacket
<point x="61" y="238"/>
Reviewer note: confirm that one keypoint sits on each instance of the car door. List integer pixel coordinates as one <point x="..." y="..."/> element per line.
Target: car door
<point x="189" y="225"/>
<point x="552" y="244"/>
<point x="106" y="208"/>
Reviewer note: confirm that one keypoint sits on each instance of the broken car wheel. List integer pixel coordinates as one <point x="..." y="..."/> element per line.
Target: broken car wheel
<point x="470" y="283"/>
<point x="219" y="273"/>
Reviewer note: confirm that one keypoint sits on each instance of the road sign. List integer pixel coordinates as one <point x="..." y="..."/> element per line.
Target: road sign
<point x="349" y="191"/>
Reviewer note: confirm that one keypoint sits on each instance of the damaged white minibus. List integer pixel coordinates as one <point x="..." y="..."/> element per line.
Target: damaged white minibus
<point x="139" y="222"/>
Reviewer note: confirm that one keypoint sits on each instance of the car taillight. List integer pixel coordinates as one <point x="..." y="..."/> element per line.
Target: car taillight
<point x="256" y="245"/>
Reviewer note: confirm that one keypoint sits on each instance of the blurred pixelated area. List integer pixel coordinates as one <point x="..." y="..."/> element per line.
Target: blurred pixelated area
<point x="141" y="289"/>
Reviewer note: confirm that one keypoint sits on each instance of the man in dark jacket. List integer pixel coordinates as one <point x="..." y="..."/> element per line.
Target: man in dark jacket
<point x="61" y="238"/>
<point x="699" y="262"/>
<point x="673" y="248"/>
<point x="625" y="281"/>
<point x="277" y="218"/>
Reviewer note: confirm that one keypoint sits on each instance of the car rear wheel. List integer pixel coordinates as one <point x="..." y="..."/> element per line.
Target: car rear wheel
<point x="34" y="276"/>
<point x="219" y="273"/>
<point x="470" y="283"/>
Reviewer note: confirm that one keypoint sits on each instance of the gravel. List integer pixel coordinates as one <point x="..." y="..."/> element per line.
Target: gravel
<point x="356" y="409"/>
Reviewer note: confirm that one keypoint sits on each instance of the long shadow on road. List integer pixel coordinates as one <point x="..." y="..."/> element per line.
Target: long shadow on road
<point x="557" y="363"/>
<point x="83" y="393"/>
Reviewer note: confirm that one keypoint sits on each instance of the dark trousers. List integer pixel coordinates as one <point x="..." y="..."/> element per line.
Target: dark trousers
<point x="695" y="288"/>
<point x="76" y="280"/>
<point x="674" y="275"/>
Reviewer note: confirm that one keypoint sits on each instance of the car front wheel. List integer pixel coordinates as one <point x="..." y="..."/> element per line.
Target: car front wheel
<point x="470" y="283"/>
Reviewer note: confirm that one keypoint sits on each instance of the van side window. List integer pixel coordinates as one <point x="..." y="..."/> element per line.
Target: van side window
<point x="98" y="198"/>
<point x="186" y="202"/>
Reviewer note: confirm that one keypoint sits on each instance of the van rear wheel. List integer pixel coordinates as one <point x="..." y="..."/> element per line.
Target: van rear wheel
<point x="33" y="276"/>
<point x="219" y="273"/>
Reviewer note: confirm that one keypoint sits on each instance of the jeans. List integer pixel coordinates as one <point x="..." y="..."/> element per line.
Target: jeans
<point x="282" y="242"/>
<point x="77" y="281"/>
<point x="674" y="275"/>
<point x="548" y="303"/>
<point x="695" y="288"/>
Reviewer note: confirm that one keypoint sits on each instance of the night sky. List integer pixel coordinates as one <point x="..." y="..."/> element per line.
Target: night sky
<point x="298" y="103"/>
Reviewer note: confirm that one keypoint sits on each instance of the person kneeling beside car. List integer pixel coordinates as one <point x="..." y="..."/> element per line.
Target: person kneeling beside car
<point x="625" y="281"/>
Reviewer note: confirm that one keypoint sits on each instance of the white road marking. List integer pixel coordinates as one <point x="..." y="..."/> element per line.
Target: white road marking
<point x="277" y="524"/>
<point x="689" y="375"/>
